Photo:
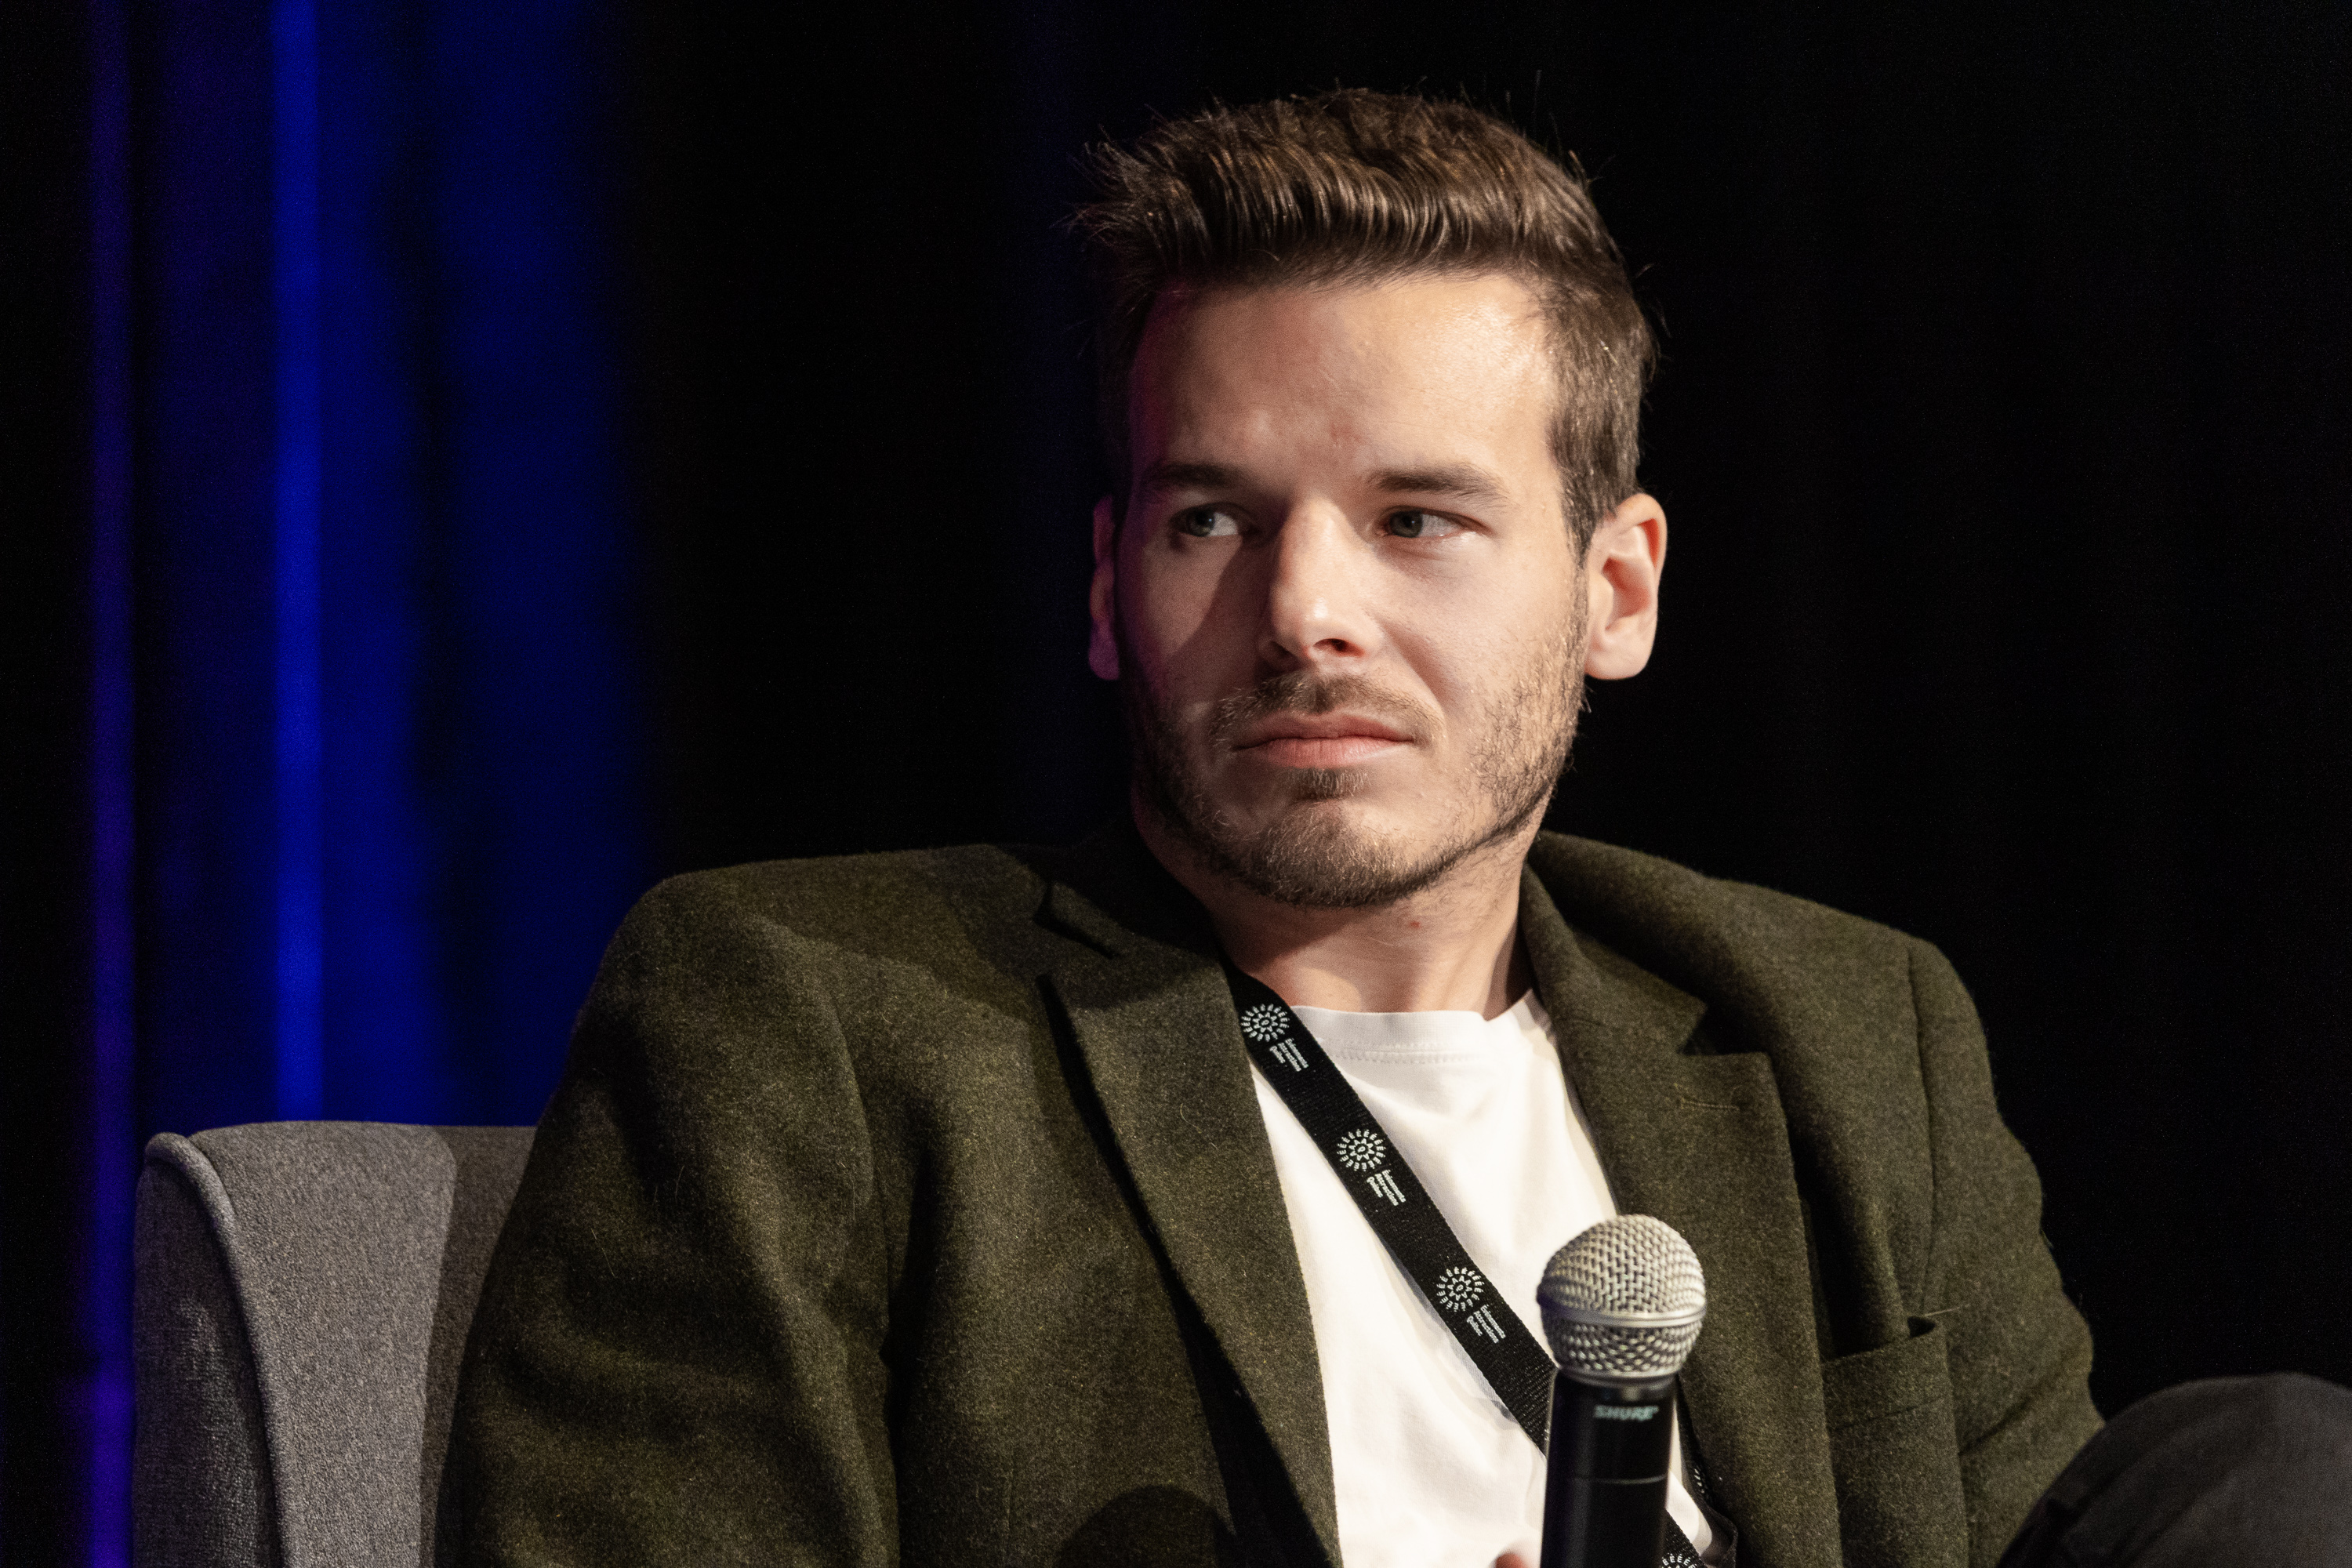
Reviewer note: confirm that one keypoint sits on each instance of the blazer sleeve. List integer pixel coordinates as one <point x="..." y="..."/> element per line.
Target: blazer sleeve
<point x="2018" y="1352"/>
<point x="678" y="1353"/>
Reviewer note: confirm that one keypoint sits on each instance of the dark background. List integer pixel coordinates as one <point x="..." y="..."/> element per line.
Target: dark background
<point x="702" y="429"/>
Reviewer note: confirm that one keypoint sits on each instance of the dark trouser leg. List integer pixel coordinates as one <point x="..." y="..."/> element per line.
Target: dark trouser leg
<point x="2237" y="1470"/>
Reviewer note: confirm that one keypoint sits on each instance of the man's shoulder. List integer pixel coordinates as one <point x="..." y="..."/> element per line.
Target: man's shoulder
<point x="1728" y="942"/>
<point x="881" y="938"/>
<point x="848" y="897"/>
<point x="888" y="883"/>
<point x="1616" y="885"/>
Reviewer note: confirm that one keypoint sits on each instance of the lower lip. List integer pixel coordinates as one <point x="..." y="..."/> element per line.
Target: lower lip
<point x="1322" y="751"/>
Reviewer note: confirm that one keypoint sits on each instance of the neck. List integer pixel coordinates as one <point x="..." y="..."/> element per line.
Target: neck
<point x="1453" y="946"/>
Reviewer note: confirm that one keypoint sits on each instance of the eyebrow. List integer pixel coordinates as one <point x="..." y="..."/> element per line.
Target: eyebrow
<point x="1456" y="482"/>
<point x="1161" y="478"/>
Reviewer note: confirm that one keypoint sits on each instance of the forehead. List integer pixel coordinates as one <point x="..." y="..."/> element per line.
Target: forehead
<point x="1413" y="369"/>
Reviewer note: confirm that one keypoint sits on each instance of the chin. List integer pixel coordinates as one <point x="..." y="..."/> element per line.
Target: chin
<point x="1331" y="805"/>
<point x="1327" y="853"/>
<point x="1313" y="786"/>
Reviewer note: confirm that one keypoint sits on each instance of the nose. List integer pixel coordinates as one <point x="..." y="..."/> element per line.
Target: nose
<point x="1317" y="610"/>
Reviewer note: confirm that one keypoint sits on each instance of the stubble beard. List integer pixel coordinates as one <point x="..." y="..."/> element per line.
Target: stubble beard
<point x="1312" y="859"/>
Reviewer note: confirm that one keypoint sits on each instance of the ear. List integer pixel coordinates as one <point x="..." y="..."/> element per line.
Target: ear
<point x="1102" y="596"/>
<point x="1622" y="568"/>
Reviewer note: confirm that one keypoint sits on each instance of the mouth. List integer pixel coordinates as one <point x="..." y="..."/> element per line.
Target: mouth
<point x="1318" y="740"/>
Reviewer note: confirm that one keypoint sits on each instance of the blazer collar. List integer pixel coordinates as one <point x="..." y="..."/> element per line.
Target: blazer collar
<point x="1698" y="1139"/>
<point x="1155" y="1027"/>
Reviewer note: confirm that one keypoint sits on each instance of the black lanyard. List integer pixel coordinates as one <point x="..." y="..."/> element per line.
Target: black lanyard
<point x="1399" y="1209"/>
<point x="1396" y="1205"/>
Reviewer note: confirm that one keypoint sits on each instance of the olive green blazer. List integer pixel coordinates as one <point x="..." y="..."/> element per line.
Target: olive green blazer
<point x="918" y="1208"/>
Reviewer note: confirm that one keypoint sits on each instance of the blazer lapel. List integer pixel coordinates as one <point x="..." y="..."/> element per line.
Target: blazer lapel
<point x="1700" y="1141"/>
<point x="1155" y="1026"/>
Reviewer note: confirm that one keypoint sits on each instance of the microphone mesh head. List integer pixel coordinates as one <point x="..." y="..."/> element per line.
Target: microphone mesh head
<point x="1630" y="1268"/>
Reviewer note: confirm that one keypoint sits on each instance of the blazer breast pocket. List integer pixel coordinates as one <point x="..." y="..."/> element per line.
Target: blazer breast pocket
<point x="1893" y="1455"/>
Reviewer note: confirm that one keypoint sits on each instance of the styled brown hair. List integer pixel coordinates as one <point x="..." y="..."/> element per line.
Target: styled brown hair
<point x="1350" y="187"/>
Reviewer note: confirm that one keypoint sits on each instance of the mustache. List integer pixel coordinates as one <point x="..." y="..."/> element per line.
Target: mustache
<point x="1302" y="691"/>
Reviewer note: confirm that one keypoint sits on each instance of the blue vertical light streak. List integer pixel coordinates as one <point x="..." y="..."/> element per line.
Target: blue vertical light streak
<point x="105" y="1266"/>
<point x="301" y="848"/>
<point x="355" y="435"/>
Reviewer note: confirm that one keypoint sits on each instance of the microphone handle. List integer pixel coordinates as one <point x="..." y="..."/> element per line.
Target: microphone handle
<point x="1605" y="1493"/>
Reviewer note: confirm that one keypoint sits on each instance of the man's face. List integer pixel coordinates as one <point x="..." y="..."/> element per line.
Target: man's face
<point x="1344" y="605"/>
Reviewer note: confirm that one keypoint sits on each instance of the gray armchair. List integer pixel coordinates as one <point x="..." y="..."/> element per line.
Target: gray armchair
<point x="303" y="1292"/>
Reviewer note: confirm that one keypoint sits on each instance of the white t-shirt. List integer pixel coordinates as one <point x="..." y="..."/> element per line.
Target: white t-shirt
<point x="1432" y="1470"/>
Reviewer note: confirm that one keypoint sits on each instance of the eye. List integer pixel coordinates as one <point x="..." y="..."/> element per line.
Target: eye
<point x="1208" y="522"/>
<point x="1414" y="523"/>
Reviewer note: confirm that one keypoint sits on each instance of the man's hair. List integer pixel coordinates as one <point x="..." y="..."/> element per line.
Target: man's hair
<point x="1355" y="187"/>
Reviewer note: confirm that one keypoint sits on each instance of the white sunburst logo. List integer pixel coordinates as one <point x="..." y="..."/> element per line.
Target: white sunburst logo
<point x="1361" y="1149"/>
<point x="1265" y="1023"/>
<point x="1458" y="1288"/>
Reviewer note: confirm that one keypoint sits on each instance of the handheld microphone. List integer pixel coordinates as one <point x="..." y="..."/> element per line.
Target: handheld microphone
<point x="1621" y="1305"/>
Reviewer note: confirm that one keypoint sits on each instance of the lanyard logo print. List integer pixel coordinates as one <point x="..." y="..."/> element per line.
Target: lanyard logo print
<point x="1268" y="1024"/>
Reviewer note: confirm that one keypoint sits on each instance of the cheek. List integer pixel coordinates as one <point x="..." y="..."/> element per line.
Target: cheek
<point x="1494" y="646"/>
<point x="1152" y="615"/>
<point x="1179" y="625"/>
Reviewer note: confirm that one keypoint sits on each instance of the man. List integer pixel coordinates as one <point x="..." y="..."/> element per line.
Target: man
<point x="929" y="1208"/>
